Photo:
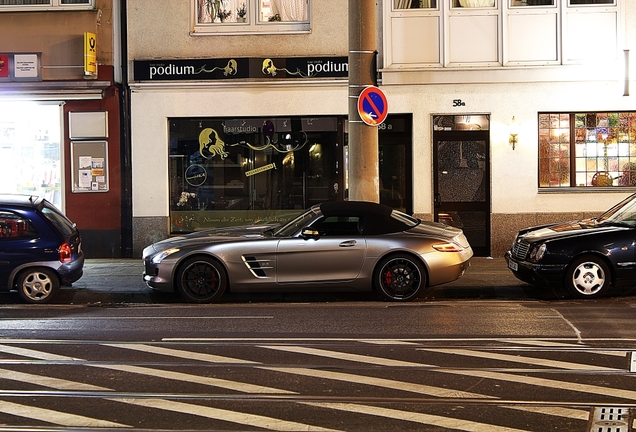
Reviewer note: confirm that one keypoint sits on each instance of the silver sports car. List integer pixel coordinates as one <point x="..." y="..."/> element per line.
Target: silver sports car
<point x="333" y="246"/>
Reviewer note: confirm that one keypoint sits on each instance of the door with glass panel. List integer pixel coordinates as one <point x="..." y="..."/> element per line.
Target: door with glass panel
<point x="461" y="160"/>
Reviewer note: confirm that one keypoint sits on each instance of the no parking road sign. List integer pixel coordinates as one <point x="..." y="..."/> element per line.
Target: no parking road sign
<point x="372" y="106"/>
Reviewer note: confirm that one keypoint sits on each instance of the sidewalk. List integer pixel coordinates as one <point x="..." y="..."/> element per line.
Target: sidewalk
<point x="120" y="281"/>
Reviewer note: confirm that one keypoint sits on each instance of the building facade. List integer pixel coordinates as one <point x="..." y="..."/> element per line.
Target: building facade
<point x="238" y="119"/>
<point x="60" y="100"/>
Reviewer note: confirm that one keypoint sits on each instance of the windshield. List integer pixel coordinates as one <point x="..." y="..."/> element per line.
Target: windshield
<point x="622" y="213"/>
<point x="405" y="219"/>
<point x="292" y="227"/>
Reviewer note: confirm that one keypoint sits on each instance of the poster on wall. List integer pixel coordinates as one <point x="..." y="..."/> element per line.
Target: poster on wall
<point x="89" y="166"/>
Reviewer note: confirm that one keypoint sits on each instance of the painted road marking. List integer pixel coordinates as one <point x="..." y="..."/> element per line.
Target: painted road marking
<point x="345" y="356"/>
<point x="380" y="382"/>
<point x="427" y="419"/>
<point x="259" y="421"/>
<point x="210" y="358"/>
<point x="55" y="417"/>
<point x="520" y="359"/>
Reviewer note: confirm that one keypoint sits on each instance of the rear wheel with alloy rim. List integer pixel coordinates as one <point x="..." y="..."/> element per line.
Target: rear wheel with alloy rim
<point x="201" y="280"/>
<point x="38" y="285"/>
<point x="399" y="278"/>
<point x="588" y="277"/>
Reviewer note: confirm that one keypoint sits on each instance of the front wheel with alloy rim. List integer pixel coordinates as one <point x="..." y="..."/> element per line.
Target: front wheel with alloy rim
<point x="399" y="278"/>
<point x="201" y="280"/>
<point x="37" y="285"/>
<point x="588" y="277"/>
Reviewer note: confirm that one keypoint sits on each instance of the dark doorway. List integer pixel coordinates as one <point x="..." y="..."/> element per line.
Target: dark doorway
<point x="461" y="158"/>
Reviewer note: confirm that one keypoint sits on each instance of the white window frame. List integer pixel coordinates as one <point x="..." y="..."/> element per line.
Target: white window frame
<point x="252" y="24"/>
<point x="50" y="5"/>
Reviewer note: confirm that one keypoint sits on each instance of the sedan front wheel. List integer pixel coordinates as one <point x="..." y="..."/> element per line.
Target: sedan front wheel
<point x="588" y="277"/>
<point x="399" y="278"/>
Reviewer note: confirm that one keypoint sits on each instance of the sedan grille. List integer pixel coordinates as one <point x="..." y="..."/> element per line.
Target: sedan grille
<point x="520" y="249"/>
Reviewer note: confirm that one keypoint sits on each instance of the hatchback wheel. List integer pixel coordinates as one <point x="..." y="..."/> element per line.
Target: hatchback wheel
<point x="201" y="280"/>
<point x="588" y="277"/>
<point x="38" y="285"/>
<point x="399" y="278"/>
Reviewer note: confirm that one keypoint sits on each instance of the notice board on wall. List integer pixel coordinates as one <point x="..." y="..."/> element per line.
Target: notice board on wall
<point x="89" y="166"/>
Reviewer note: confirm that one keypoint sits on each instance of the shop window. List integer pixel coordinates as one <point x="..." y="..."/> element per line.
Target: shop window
<point x="30" y="150"/>
<point x="595" y="149"/>
<point x="233" y="171"/>
<point x="30" y="5"/>
<point x="251" y="16"/>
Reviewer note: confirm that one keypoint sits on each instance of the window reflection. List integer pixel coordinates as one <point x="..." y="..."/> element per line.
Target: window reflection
<point x="226" y="171"/>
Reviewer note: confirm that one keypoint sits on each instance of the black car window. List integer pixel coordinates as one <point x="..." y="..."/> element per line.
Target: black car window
<point x="339" y="226"/>
<point x="58" y="220"/>
<point x="14" y="226"/>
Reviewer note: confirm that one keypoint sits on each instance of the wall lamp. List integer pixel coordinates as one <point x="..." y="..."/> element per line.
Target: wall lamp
<point x="514" y="131"/>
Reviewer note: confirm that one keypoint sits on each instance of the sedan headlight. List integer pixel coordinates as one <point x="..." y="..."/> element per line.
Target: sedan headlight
<point x="161" y="256"/>
<point x="538" y="252"/>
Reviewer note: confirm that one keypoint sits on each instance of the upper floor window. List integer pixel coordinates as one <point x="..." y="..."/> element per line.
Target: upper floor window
<point x="251" y="16"/>
<point x="414" y="4"/>
<point x="595" y="149"/>
<point x="591" y="2"/>
<point x="29" y="5"/>
<point x="516" y="3"/>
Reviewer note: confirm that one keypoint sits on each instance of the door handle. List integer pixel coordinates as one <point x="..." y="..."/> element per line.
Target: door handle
<point x="438" y="200"/>
<point x="348" y="243"/>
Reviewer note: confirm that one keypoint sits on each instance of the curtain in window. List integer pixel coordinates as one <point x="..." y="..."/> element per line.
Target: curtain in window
<point x="290" y="10"/>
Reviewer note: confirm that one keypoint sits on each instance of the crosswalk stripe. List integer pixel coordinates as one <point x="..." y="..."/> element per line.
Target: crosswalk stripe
<point x="180" y="376"/>
<point x="181" y="354"/>
<point x="55" y="417"/>
<point x="40" y="355"/>
<point x="45" y="381"/>
<point x="345" y="356"/>
<point x="543" y="382"/>
<point x="380" y="382"/>
<point x="571" y="413"/>
<point x="427" y="419"/>
<point x="543" y="343"/>
<point x="268" y="423"/>
<point x="519" y="359"/>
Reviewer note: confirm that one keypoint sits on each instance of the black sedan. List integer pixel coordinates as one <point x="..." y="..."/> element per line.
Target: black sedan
<point x="334" y="246"/>
<point x="586" y="256"/>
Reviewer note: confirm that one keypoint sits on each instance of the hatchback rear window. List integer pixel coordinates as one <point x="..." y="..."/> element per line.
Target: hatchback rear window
<point x="60" y="221"/>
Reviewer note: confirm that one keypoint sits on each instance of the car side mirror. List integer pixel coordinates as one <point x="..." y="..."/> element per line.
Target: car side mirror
<point x="308" y="233"/>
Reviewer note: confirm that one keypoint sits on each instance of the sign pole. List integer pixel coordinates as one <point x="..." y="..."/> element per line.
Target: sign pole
<point x="363" y="138"/>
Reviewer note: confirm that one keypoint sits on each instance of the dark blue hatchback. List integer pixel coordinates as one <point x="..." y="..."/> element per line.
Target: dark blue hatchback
<point x="40" y="248"/>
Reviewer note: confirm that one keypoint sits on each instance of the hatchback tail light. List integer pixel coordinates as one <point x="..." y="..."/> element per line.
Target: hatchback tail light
<point x="66" y="253"/>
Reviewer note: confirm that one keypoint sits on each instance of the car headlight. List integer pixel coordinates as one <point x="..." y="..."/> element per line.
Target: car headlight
<point x="538" y="252"/>
<point x="161" y="256"/>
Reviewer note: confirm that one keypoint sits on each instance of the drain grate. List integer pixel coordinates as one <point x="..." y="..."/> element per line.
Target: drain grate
<point x="610" y="419"/>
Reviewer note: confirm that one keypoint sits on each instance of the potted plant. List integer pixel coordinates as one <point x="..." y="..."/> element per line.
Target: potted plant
<point x="223" y="14"/>
<point x="241" y="13"/>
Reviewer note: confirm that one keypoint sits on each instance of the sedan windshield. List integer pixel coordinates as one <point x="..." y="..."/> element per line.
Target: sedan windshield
<point x="624" y="213"/>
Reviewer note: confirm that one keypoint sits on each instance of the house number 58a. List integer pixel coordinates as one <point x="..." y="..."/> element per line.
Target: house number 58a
<point x="458" y="103"/>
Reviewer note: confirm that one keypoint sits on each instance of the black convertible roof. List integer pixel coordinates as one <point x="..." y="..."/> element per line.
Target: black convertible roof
<point x="376" y="217"/>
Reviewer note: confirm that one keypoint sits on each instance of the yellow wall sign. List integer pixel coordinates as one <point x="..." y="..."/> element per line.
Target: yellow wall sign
<point x="90" y="54"/>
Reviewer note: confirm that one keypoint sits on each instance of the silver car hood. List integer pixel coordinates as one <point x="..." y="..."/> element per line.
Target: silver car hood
<point x="236" y="233"/>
